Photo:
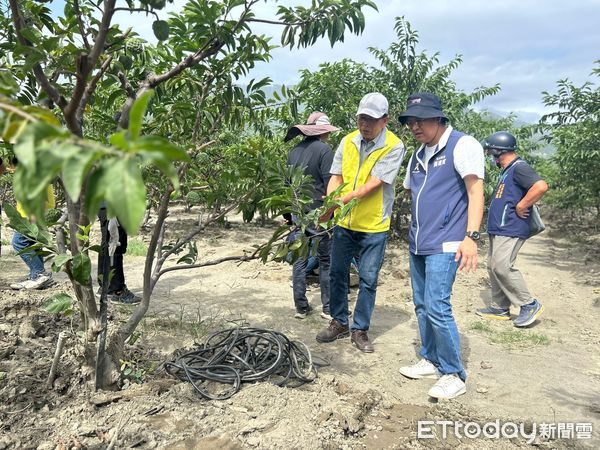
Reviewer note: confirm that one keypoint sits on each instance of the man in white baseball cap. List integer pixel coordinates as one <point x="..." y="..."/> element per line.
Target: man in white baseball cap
<point x="366" y="162"/>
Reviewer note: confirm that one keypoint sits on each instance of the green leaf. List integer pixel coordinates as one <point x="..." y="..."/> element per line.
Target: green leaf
<point x="75" y="170"/>
<point x="119" y="140"/>
<point x="136" y="115"/>
<point x="98" y="182"/>
<point x="31" y="34"/>
<point x="61" y="260"/>
<point x="18" y="223"/>
<point x="161" y="30"/>
<point x="58" y="303"/>
<point x="82" y="268"/>
<point x="126" y="194"/>
<point x="25" y="150"/>
<point x="8" y="84"/>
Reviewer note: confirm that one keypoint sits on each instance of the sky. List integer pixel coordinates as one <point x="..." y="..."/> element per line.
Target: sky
<point x="525" y="45"/>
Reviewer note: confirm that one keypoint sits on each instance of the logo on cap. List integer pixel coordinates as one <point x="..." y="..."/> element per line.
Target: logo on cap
<point x="414" y="100"/>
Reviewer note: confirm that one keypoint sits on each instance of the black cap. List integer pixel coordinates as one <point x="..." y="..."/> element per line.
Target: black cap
<point x="423" y="105"/>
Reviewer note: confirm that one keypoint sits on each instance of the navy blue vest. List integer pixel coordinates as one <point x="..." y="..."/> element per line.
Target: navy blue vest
<point x="439" y="200"/>
<point x="502" y="215"/>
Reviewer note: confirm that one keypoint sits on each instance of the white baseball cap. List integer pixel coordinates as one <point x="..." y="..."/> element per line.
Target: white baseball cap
<point x="374" y="105"/>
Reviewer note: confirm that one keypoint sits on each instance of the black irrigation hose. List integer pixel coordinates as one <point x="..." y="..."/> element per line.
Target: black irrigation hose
<point x="243" y="354"/>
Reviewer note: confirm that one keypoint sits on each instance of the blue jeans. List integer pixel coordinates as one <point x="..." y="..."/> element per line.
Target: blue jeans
<point x="33" y="261"/>
<point x="432" y="277"/>
<point x="369" y="247"/>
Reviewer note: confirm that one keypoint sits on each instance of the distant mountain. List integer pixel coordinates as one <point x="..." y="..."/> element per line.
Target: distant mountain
<point x="522" y="117"/>
<point x="525" y="118"/>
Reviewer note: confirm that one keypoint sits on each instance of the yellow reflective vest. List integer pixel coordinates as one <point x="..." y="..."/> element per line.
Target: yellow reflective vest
<point x="367" y="215"/>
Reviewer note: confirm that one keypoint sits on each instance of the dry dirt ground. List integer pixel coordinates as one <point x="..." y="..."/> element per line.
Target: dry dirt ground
<point x="549" y="373"/>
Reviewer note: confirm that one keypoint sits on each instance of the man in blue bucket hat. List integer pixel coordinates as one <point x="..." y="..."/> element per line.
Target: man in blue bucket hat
<point x="445" y="179"/>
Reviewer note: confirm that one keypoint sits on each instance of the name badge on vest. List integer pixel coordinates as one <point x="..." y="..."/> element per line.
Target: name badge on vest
<point x="439" y="161"/>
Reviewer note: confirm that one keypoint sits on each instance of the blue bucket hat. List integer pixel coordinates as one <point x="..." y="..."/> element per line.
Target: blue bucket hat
<point x="423" y="105"/>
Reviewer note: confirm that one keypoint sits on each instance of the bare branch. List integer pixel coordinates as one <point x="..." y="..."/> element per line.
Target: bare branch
<point x="91" y="87"/>
<point x="132" y="10"/>
<point x="19" y="24"/>
<point x="109" y="9"/>
<point x="276" y="22"/>
<point x="188" y="62"/>
<point x="156" y="242"/>
<point x="126" y="85"/>
<point x="85" y="65"/>
<point x="57" y="73"/>
<point x="118" y="40"/>
<point x="80" y="24"/>
<point x="210" y="220"/>
<point x="209" y="263"/>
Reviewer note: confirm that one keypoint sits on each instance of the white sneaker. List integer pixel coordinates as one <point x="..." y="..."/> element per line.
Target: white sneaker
<point x="447" y="387"/>
<point x="422" y="369"/>
<point x="326" y="316"/>
<point x="41" y="282"/>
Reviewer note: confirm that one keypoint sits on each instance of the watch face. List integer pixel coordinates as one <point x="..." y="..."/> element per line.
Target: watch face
<point x="474" y="235"/>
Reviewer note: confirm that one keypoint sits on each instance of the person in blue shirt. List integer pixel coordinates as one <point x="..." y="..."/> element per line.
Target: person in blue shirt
<point x="519" y="188"/>
<point x="445" y="179"/>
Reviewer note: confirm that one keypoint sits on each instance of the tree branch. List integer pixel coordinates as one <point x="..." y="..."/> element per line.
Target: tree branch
<point x="91" y="87"/>
<point x="209" y="263"/>
<point x="156" y="242"/>
<point x="211" y="219"/>
<point x="126" y="85"/>
<point x="19" y="24"/>
<point x="85" y="65"/>
<point x="132" y="10"/>
<point x="80" y="24"/>
<point x="275" y="22"/>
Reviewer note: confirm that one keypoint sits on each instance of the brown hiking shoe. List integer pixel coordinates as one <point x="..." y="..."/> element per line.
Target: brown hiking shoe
<point x="360" y="338"/>
<point x="334" y="331"/>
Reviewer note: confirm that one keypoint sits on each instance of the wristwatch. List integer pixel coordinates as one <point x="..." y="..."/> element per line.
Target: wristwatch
<point x="475" y="235"/>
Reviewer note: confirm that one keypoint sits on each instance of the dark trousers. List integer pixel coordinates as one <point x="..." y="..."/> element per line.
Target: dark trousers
<point x="117" y="281"/>
<point x="299" y="275"/>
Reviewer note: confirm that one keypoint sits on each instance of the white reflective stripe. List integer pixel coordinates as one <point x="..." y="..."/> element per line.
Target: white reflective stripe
<point x="417" y="214"/>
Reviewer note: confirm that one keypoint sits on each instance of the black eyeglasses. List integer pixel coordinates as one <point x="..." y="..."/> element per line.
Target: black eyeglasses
<point x="412" y="122"/>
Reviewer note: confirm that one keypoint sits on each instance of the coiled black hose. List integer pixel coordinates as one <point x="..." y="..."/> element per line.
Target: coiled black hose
<point x="243" y="354"/>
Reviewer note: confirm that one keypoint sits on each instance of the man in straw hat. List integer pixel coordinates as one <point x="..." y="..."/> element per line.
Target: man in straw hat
<point x="313" y="155"/>
<point x="366" y="162"/>
<point x="445" y="179"/>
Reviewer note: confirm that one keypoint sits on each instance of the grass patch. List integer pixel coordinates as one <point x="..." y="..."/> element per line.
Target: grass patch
<point x="136" y="247"/>
<point x="511" y="338"/>
<point x="194" y="325"/>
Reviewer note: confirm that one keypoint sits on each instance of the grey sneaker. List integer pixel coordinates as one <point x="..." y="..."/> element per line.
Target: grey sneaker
<point x="529" y="313"/>
<point x="493" y="313"/>
<point x="303" y="313"/>
<point x="125" y="297"/>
